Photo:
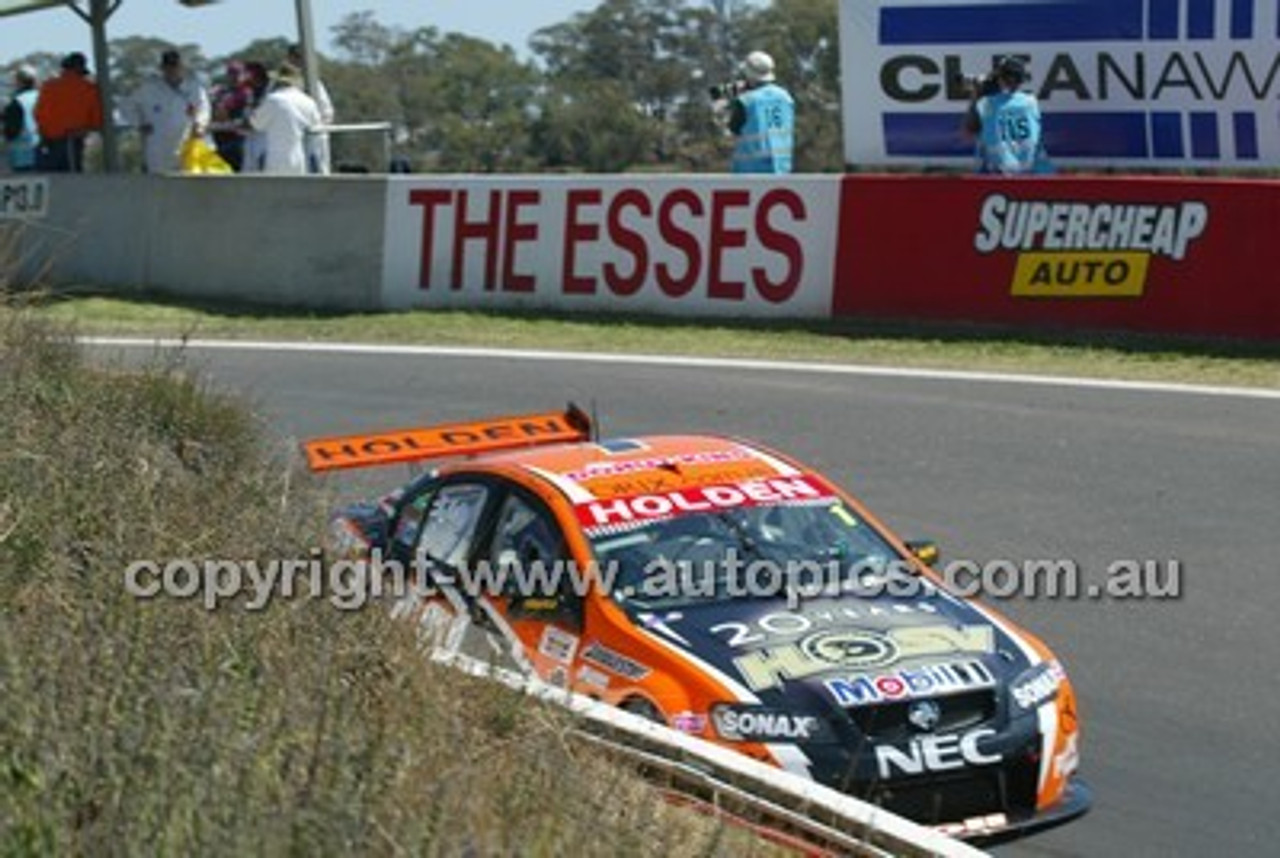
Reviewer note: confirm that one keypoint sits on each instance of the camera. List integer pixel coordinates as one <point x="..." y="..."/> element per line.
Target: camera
<point x="727" y="91"/>
<point x="981" y="84"/>
<point x="1008" y="68"/>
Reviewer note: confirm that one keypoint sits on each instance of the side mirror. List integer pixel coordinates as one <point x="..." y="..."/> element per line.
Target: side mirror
<point x="925" y="550"/>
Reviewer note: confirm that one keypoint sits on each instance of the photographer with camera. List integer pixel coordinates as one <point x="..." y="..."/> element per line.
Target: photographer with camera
<point x="761" y="117"/>
<point x="1006" y="121"/>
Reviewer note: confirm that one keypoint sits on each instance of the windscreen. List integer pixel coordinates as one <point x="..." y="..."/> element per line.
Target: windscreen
<point x="763" y="550"/>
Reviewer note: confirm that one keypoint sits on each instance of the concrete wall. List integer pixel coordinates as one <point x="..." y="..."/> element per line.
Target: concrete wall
<point x="284" y="241"/>
<point x="1171" y="255"/>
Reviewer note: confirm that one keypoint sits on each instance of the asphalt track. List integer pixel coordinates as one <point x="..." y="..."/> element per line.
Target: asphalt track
<point x="1178" y="696"/>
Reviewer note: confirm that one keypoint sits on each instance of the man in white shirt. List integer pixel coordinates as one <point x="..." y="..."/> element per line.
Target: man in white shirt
<point x="318" y="144"/>
<point x="168" y="108"/>
<point x="285" y="118"/>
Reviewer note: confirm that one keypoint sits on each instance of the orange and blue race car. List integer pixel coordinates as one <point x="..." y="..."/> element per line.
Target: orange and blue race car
<point x="730" y="592"/>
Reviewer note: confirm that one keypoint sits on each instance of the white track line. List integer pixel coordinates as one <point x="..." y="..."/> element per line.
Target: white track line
<point x="686" y="362"/>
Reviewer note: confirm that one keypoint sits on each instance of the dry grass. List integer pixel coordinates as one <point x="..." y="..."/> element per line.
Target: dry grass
<point x="157" y="727"/>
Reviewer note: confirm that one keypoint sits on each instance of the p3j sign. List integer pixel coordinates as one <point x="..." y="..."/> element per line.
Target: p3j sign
<point x="22" y="198"/>
<point x="1154" y="83"/>
<point x="703" y="246"/>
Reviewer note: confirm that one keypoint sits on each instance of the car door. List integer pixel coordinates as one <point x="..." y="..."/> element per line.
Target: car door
<point x="542" y="595"/>
<point x="434" y="536"/>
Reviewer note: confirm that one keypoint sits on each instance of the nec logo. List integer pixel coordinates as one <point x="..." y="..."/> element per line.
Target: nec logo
<point x="935" y="754"/>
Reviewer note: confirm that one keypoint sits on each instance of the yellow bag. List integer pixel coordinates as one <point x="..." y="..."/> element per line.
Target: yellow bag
<point x="198" y="156"/>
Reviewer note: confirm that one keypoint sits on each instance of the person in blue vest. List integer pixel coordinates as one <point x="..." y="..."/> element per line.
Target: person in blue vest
<point x="21" y="134"/>
<point x="762" y="117"/>
<point x="1006" y="121"/>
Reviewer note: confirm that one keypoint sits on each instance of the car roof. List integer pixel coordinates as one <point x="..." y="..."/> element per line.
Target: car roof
<point x="620" y="467"/>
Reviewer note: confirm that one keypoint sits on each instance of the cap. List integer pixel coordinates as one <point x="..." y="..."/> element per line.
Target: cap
<point x="289" y="74"/>
<point x="26" y="73"/>
<point x="1013" y="68"/>
<point x="75" y="61"/>
<point x="758" y="67"/>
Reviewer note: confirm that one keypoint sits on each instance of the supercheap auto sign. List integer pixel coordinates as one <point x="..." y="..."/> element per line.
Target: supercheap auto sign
<point x="1166" y="83"/>
<point x="1068" y="249"/>
<point x="1122" y="253"/>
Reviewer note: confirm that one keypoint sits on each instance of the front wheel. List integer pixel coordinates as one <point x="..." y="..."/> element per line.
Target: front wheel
<point x="643" y="708"/>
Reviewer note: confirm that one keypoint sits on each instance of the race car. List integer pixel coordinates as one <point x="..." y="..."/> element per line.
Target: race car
<point x="728" y="591"/>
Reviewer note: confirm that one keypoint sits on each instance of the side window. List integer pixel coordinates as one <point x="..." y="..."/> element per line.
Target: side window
<point x="527" y="547"/>
<point x="449" y="529"/>
<point x="409" y="520"/>
<point x="524" y="535"/>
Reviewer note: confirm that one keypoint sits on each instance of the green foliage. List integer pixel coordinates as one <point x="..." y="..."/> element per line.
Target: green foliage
<point x="270" y="52"/>
<point x="619" y="87"/>
<point x="135" y="58"/>
<point x="593" y="126"/>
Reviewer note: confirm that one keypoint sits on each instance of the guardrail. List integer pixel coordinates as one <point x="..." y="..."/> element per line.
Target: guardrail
<point x="732" y="783"/>
<point x="385" y="129"/>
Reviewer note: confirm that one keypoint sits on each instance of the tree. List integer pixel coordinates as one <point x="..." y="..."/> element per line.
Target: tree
<point x="593" y="126"/>
<point x="270" y="52"/>
<point x="135" y="58"/>
<point x="479" y="106"/>
<point x="619" y="87"/>
<point x="363" y="40"/>
<point x="651" y="53"/>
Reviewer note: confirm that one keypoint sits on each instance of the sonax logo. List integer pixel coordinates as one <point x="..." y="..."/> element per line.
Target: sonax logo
<point x="1086" y="250"/>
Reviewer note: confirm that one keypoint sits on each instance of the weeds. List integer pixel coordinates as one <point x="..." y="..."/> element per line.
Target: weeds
<point x="132" y="727"/>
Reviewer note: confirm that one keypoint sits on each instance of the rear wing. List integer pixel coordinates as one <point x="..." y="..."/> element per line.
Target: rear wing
<point x="447" y="440"/>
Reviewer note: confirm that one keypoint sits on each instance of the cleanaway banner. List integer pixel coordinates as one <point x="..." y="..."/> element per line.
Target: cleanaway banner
<point x="1124" y="83"/>
<point x="676" y="245"/>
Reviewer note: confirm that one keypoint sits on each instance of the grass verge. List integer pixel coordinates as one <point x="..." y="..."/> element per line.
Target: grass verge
<point x="157" y="727"/>
<point x="1125" y="356"/>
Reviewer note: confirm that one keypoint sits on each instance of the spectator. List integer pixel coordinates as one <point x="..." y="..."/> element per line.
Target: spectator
<point x="285" y="118"/>
<point x="318" y="156"/>
<point x="1006" y="122"/>
<point x="231" y="101"/>
<point x="762" y="119"/>
<point x="258" y="80"/>
<point x="169" y="108"/>
<point x="21" y="133"/>
<point x="68" y="109"/>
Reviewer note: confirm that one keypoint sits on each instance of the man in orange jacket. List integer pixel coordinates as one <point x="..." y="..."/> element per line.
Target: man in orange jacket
<point x="69" y="107"/>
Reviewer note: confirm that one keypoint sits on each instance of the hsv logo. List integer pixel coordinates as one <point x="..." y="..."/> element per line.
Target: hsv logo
<point x="826" y="652"/>
<point x="935" y="754"/>
<point x="851" y="649"/>
<point x="1086" y="250"/>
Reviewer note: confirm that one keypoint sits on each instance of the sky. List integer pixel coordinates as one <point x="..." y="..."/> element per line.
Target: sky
<point x="229" y="25"/>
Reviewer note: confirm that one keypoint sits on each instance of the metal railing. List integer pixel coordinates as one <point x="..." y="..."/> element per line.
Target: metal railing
<point x="731" y="782"/>
<point x="384" y="129"/>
